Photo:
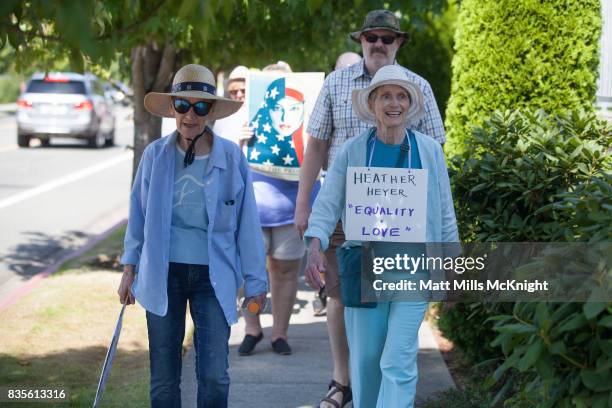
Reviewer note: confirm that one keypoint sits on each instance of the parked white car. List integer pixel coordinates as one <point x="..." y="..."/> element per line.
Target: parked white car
<point x="65" y="105"/>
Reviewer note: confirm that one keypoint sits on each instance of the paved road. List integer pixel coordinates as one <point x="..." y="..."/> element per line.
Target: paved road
<point x="52" y="199"/>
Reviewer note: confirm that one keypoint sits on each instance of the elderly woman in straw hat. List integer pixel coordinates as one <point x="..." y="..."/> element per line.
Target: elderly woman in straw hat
<point x="193" y="235"/>
<point x="383" y="336"/>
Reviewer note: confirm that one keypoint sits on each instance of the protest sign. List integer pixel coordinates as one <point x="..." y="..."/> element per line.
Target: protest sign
<point x="386" y="204"/>
<point x="279" y="107"/>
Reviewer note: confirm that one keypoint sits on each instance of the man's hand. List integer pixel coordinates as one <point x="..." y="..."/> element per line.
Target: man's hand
<point x="316" y="152"/>
<point x="300" y="218"/>
<point x="315" y="265"/>
<point x="124" y="291"/>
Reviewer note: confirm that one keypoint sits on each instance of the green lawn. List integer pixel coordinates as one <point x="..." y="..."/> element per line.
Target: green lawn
<point x="58" y="334"/>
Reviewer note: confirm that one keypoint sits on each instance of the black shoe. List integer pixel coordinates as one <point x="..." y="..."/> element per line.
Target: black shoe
<point x="281" y="347"/>
<point x="248" y="344"/>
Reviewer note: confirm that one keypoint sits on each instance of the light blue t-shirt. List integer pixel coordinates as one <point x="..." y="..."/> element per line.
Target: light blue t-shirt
<point x="386" y="156"/>
<point x="188" y="232"/>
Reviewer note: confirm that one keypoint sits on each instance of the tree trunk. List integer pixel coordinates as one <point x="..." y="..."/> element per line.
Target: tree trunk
<point x="152" y="70"/>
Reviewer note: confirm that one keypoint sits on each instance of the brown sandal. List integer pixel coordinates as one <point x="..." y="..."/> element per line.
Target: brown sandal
<point x="334" y="388"/>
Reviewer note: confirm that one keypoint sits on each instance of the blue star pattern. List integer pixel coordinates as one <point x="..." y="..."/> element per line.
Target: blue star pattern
<point x="269" y="151"/>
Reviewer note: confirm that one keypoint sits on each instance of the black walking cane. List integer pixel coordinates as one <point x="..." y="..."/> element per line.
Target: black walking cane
<point x="110" y="355"/>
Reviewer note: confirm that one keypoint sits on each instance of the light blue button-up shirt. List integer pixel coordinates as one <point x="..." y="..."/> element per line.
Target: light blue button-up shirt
<point x="235" y="244"/>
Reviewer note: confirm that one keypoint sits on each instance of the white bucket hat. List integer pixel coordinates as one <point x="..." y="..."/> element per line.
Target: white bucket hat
<point x="389" y="75"/>
<point x="191" y="81"/>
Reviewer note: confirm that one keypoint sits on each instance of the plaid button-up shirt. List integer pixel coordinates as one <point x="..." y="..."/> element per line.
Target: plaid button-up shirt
<point x="333" y="117"/>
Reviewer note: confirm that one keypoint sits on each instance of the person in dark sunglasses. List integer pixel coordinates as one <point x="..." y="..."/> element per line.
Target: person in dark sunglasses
<point x="193" y="237"/>
<point x="379" y="45"/>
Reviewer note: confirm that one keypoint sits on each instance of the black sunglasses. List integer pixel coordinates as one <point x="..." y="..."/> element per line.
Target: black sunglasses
<point x="386" y="39"/>
<point x="182" y="106"/>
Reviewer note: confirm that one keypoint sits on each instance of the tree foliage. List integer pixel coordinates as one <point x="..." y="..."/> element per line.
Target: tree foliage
<point x="513" y="54"/>
<point x="430" y="50"/>
<point x="151" y="39"/>
<point x="308" y="34"/>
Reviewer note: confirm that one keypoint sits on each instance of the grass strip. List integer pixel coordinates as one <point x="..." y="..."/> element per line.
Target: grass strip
<point x="58" y="334"/>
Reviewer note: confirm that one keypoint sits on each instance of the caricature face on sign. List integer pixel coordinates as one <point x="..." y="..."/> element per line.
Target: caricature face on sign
<point x="287" y="115"/>
<point x="278" y="112"/>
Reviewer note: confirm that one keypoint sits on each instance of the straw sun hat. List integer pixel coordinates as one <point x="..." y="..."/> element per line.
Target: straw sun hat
<point x="389" y="75"/>
<point x="191" y="81"/>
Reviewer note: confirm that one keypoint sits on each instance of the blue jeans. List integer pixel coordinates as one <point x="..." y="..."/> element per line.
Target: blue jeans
<point x="189" y="282"/>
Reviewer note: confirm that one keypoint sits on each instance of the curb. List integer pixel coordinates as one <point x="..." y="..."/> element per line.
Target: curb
<point x="35" y="280"/>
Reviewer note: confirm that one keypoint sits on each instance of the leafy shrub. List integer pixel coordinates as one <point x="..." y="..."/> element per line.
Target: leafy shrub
<point x="516" y="54"/>
<point x="466" y="325"/>
<point x="537" y="177"/>
<point x="586" y="210"/>
<point x="563" y="350"/>
<point x="523" y="174"/>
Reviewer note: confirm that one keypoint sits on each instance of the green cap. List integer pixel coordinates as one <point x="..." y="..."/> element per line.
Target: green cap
<point x="379" y="20"/>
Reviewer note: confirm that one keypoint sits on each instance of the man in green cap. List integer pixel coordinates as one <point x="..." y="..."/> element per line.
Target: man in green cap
<point x="331" y="124"/>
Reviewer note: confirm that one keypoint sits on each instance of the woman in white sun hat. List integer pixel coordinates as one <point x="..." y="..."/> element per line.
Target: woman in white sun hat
<point x="382" y="336"/>
<point x="193" y="235"/>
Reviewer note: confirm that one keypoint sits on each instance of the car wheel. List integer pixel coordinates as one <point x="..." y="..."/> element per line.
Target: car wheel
<point x="45" y="142"/>
<point x="23" y="140"/>
<point x="110" y="138"/>
<point x="97" y="141"/>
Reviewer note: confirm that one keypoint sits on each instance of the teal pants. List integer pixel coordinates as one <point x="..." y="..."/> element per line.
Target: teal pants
<point x="383" y="345"/>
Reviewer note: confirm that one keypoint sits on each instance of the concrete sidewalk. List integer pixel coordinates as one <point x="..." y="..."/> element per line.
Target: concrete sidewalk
<point x="265" y="379"/>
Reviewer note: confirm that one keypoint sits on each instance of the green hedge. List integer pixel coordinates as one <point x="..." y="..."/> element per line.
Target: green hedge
<point x="523" y="175"/>
<point x="514" y="54"/>
<point x="537" y="177"/>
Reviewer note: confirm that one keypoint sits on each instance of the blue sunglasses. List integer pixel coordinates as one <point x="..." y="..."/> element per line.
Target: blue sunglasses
<point x="182" y="106"/>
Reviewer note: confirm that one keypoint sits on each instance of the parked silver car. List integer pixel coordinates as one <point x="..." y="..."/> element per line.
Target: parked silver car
<point x="65" y="105"/>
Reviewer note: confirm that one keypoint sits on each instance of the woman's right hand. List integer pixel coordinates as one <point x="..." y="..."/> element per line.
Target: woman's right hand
<point x="125" y="287"/>
<point x="315" y="265"/>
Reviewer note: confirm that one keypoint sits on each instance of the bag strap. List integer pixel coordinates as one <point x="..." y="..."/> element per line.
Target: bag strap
<point x="404" y="152"/>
